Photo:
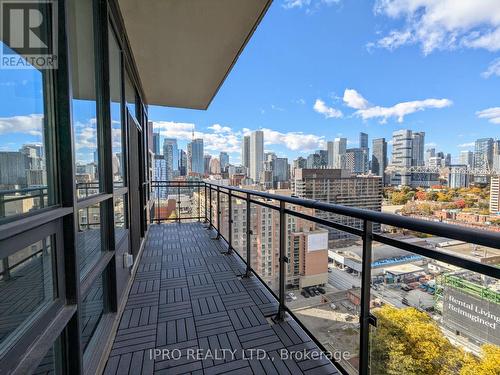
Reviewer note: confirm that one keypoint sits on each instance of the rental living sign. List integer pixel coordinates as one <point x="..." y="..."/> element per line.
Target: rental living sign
<point x="471" y="316"/>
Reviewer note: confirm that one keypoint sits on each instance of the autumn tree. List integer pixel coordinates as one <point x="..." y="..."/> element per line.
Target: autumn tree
<point x="408" y="341"/>
<point x="488" y="364"/>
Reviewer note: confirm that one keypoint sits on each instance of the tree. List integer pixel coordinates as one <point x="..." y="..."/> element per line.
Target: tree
<point x="488" y="364"/>
<point x="409" y="342"/>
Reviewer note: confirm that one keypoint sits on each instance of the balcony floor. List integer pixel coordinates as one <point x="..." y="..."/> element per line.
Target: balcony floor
<point x="188" y="295"/>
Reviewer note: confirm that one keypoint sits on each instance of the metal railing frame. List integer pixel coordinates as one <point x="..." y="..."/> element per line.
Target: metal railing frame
<point x="368" y="218"/>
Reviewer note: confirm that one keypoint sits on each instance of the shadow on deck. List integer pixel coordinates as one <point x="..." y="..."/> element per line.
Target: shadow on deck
<point x="189" y="298"/>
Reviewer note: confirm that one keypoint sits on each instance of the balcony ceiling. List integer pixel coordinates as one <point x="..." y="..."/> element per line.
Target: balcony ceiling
<point x="184" y="49"/>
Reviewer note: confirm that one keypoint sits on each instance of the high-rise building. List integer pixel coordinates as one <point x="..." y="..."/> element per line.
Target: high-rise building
<point x="339" y="187"/>
<point x="182" y="163"/>
<point x="363" y="140"/>
<point x="171" y="155"/>
<point x="195" y="156"/>
<point x="206" y="163"/>
<point x="224" y="161"/>
<point x="314" y="161"/>
<point x="156" y="143"/>
<point x="215" y="166"/>
<point x="323" y="157"/>
<point x="245" y="152"/>
<point x="429" y="153"/>
<point x="379" y="157"/>
<point x="339" y="150"/>
<point x="418" y="142"/>
<point x="256" y="154"/>
<point x="280" y="170"/>
<point x="402" y="155"/>
<point x="363" y="145"/>
<point x="496" y="155"/>
<point x="483" y="153"/>
<point x="356" y="160"/>
<point x="160" y="174"/>
<point x="467" y="158"/>
<point x="458" y="176"/>
<point x="495" y="195"/>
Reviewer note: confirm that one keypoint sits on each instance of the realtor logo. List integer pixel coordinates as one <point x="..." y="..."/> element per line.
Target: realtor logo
<point x="29" y="34"/>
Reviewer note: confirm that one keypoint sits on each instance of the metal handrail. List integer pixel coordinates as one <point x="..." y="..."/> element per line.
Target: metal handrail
<point x="368" y="218"/>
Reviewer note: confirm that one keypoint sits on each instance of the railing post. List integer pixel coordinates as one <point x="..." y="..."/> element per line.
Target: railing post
<point x="179" y="202"/>
<point x="218" y="212"/>
<point x="248" y="272"/>
<point x="42" y="203"/>
<point x="206" y="204"/>
<point x="364" y="319"/>
<point x="210" y="207"/>
<point x="230" y="222"/>
<point x="157" y="211"/>
<point x="282" y="260"/>
<point x="2" y="205"/>
<point x="199" y="203"/>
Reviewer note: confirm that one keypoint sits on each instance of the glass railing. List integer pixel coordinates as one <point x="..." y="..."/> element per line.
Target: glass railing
<point x="378" y="293"/>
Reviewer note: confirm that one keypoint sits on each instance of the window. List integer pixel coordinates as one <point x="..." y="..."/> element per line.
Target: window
<point x="92" y="309"/>
<point x="121" y="222"/>
<point x="130" y="96"/>
<point x="84" y="109"/>
<point x="53" y="362"/>
<point x="115" y="88"/>
<point x="27" y="181"/>
<point x="29" y="273"/>
<point x="89" y="237"/>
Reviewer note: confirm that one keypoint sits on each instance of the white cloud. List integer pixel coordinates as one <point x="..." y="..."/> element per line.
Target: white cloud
<point x="492" y="114"/>
<point x="466" y="145"/>
<point x="29" y="124"/>
<point x="442" y="24"/>
<point x="366" y="111"/>
<point x="493" y="69"/>
<point x="224" y="138"/>
<point x="431" y="144"/>
<point x="290" y="4"/>
<point x="329" y="112"/>
<point x="354" y="100"/>
<point x="309" y="5"/>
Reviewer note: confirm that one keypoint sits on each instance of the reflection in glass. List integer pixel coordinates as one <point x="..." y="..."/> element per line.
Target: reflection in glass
<point x="26" y="288"/>
<point x="121" y="223"/>
<point x="115" y="109"/>
<point x="92" y="309"/>
<point x="130" y="96"/>
<point x="52" y="363"/>
<point x="85" y="125"/>
<point x="89" y="238"/>
<point x="25" y="141"/>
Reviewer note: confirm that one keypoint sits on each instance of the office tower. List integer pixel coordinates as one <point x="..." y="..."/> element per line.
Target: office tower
<point x="323" y="157"/>
<point x="280" y="170"/>
<point x="379" y="157"/>
<point x="195" y="156"/>
<point x="402" y="155"/>
<point x="363" y="140"/>
<point x="182" y="163"/>
<point x="339" y="150"/>
<point x="245" y="152"/>
<point x="429" y="153"/>
<point x="171" y="155"/>
<point x="300" y="162"/>
<point x="495" y="195"/>
<point x="13" y="165"/>
<point x="336" y="186"/>
<point x="467" y="158"/>
<point x="160" y="174"/>
<point x="418" y="142"/>
<point x="256" y="154"/>
<point x="314" y="161"/>
<point x="447" y="160"/>
<point x="458" y="177"/>
<point x="206" y="163"/>
<point x="156" y="143"/>
<point x="483" y="153"/>
<point x="356" y="160"/>
<point x="496" y="155"/>
<point x="224" y="161"/>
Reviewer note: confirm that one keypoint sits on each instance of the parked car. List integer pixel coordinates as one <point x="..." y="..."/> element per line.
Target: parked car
<point x="329" y="270"/>
<point x="333" y="306"/>
<point x="292" y="296"/>
<point x="310" y="292"/>
<point x="321" y="290"/>
<point x="316" y="291"/>
<point x="304" y="294"/>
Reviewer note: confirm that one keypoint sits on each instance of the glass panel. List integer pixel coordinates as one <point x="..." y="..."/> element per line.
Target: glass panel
<point x="224" y="214"/>
<point x="325" y="296"/>
<point x="121" y="220"/>
<point x="27" y="286"/>
<point x="239" y="208"/>
<point x="26" y="181"/>
<point x="115" y="88"/>
<point x="92" y="309"/>
<point x="52" y="363"/>
<point x="89" y="237"/>
<point x="85" y="127"/>
<point x="443" y="319"/>
<point x="130" y="96"/>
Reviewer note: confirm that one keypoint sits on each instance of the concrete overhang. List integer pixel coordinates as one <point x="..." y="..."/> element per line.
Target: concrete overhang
<point x="184" y="49"/>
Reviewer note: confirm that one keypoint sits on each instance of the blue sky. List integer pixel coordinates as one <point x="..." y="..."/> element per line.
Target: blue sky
<point x="386" y="51"/>
<point x="318" y="69"/>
